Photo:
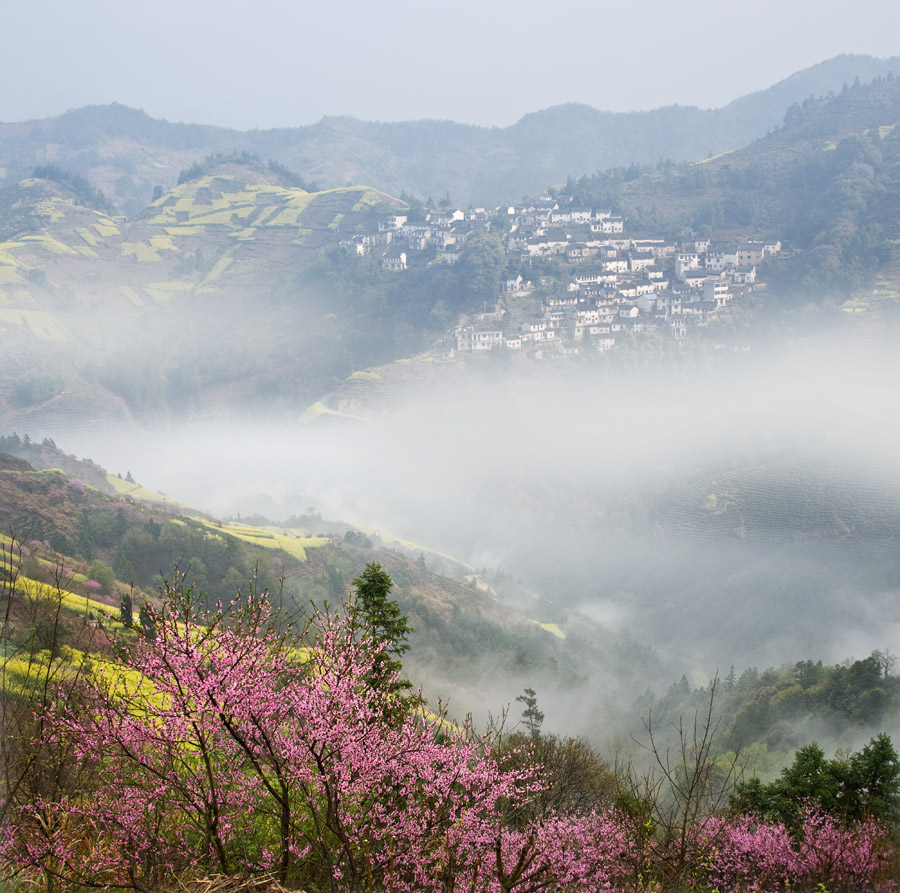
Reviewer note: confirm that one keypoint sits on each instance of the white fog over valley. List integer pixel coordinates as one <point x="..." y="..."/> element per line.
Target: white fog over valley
<point x="671" y="509"/>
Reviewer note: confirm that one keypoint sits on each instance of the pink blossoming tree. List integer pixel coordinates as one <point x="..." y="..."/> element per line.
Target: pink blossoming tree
<point x="224" y="745"/>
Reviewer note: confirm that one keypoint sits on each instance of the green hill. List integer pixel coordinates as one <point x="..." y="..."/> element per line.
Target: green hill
<point x="475" y="638"/>
<point x="120" y="319"/>
<point x="230" y="291"/>
<point x="825" y="183"/>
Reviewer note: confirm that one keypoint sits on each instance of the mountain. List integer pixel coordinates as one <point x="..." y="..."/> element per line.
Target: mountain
<point x="826" y="183"/>
<point x="676" y="520"/>
<point x="818" y="80"/>
<point x="126" y="154"/>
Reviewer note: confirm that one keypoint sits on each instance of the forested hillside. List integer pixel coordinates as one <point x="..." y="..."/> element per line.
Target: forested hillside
<point x="825" y="182"/>
<point x="123" y="540"/>
<point x="770" y="713"/>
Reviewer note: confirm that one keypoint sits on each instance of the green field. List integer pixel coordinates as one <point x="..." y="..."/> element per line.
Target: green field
<point x="43" y="325"/>
<point x="319" y="410"/>
<point x="294" y="546"/>
<point x="49" y="244"/>
<point x="161" y="292"/>
<point x="136" y="491"/>
<point x="133" y="297"/>
<point x="107" y="228"/>
<point x="143" y="253"/>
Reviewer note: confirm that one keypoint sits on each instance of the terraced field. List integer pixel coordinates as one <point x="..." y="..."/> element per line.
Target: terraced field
<point x="275" y="538"/>
<point x="192" y="274"/>
<point x="41" y="324"/>
<point x="136" y="491"/>
<point x="222" y="214"/>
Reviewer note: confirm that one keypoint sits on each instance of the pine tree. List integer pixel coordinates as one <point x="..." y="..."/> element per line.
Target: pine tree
<point x="147" y="618"/>
<point x="532" y="716"/>
<point x="380" y="618"/>
<point x="127" y="607"/>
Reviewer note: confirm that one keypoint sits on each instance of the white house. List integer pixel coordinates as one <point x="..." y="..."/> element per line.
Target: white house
<point x="391" y="222"/>
<point x="476" y="338"/>
<point x="394" y="261"/>
<point x="716" y="291"/>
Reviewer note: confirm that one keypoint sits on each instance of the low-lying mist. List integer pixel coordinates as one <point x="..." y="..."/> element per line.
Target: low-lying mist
<point x="744" y="514"/>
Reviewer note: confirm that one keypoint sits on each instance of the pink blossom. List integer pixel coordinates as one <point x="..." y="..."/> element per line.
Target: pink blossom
<point x="233" y="748"/>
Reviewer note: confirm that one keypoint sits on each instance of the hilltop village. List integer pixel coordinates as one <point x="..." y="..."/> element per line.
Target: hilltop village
<point x="612" y="284"/>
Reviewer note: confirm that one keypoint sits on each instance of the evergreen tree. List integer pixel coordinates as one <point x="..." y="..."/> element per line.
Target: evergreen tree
<point x="532" y="716"/>
<point x="380" y="618"/>
<point x="147" y="618"/>
<point x="127" y="607"/>
<point x="863" y="785"/>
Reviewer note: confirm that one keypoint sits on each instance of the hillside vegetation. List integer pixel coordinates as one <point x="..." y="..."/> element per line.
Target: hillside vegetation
<point x="230" y="290"/>
<point x="116" y="543"/>
<point x="90" y="302"/>
<point x="826" y="183"/>
<point x="234" y="741"/>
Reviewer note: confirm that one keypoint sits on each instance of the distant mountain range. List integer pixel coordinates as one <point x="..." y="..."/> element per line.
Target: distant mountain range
<point x="127" y="154"/>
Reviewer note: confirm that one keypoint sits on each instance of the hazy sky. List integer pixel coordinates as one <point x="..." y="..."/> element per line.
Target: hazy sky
<point x="274" y="63"/>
